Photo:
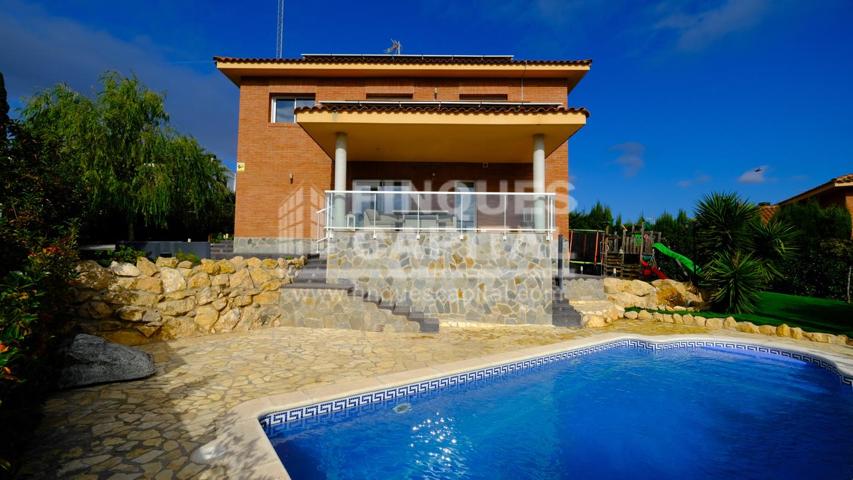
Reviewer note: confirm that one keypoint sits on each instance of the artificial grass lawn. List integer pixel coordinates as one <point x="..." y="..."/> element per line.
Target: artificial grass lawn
<point x="809" y="313"/>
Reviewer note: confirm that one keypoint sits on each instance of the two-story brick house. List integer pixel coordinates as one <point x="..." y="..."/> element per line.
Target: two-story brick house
<point x="338" y="151"/>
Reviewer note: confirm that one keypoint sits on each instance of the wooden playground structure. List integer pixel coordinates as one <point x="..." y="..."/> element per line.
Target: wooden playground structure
<point x="624" y="252"/>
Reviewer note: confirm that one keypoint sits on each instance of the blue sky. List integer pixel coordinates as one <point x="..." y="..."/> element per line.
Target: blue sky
<point x="686" y="97"/>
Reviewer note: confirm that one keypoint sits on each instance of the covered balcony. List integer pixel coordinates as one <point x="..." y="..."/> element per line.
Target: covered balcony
<point x="375" y="139"/>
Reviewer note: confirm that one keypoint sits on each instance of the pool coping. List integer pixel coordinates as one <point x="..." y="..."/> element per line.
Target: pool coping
<point x="242" y="444"/>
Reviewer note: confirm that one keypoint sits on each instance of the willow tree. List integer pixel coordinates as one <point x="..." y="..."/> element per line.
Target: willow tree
<point x="134" y="167"/>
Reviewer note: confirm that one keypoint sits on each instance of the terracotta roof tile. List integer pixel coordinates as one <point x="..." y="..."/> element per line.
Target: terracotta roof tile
<point x="405" y="60"/>
<point x="844" y="178"/>
<point x="450" y="108"/>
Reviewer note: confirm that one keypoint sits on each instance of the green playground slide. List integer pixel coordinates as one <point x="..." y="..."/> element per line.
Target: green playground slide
<point x="684" y="261"/>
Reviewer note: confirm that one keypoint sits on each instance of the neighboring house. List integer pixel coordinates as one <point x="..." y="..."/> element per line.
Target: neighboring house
<point x="409" y="171"/>
<point x="837" y="191"/>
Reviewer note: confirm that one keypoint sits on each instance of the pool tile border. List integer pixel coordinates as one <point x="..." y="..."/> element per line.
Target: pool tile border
<point x="247" y="424"/>
<point x="397" y="392"/>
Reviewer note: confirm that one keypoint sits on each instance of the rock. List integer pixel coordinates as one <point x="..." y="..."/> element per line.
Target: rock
<point x="242" y="300"/>
<point x="593" y="321"/>
<point x="228" y="320"/>
<point x="241" y="279"/>
<point x="209" y="267"/>
<point x="199" y="280"/>
<point x="818" y="337"/>
<point x="177" y="327"/>
<point x="688" y="319"/>
<point x="97" y="310"/>
<point x="148" y="284"/>
<point x="677" y="319"/>
<point x="259" y="275"/>
<point x="147" y="330"/>
<point x="152" y="317"/>
<point x="612" y="285"/>
<point x="767" y="330"/>
<point x="269" y="263"/>
<point x="93" y="276"/>
<point x="266" y="298"/>
<point x="840" y="340"/>
<point x="176" y="307"/>
<point x="172" y="280"/>
<point x="170" y="262"/>
<point x="220" y="303"/>
<point x="146" y="267"/>
<point x="730" y="323"/>
<point x="206" y="317"/>
<point x="124" y="269"/>
<point x="271" y="285"/>
<point x="626" y="299"/>
<point x="131" y="313"/>
<point x="631" y="315"/>
<point x="205" y="296"/>
<point x="221" y="280"/>
<point x="185" y="264"/>
<point x="700" y="321"/>
<point x="639" y="288"/>
<point x="747" y="327"/>
<point x="89" y="360"/>
<point x="797" y="333"/>
<point x="783" y="330"/>
<point x="644" y="315"/>
<point x="254" y="262"/>
<point x="715" y="323"/>
<point x="226" y="266"/>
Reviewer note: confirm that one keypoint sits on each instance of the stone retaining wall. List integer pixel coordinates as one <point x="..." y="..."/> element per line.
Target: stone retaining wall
<point x="134" y="304"/>
<point x="479" y="277"/>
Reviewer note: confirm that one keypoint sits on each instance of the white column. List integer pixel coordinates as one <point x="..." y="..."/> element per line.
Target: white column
<point x="339" y="212"/>
<point x="539" y="180"/>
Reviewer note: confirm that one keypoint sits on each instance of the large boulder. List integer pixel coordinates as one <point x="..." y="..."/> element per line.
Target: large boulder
<point x="89" y="360"/>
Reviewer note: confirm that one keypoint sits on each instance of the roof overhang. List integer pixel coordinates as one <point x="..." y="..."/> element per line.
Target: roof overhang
<point x="237" y="69"/>
<point x="838" y="182"/>
<point x="406" y="136"/>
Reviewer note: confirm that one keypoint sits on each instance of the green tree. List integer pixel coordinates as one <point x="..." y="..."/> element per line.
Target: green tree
<point x="825" y="254"/>
<point x="39" y="207"/>
<point x="137" y="172"/>
<point x="739" y="255"/>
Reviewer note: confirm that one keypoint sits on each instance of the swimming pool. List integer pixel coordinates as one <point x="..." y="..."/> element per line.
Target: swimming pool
<point x="625" y="409"/>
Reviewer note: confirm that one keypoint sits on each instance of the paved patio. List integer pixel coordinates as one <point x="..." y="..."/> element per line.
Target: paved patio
<point x="150" y="428"/>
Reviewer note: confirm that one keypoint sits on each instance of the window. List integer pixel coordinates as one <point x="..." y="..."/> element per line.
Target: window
<point x="390" y="97"/>
<point x="483" y="97"/>
<point x="283" y="107"/>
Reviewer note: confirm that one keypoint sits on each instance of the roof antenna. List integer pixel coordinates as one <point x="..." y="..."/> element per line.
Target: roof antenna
<point x="396" y="47"/>
<point x="279" y="31"/>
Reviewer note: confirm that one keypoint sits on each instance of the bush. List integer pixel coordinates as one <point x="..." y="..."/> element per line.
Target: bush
<point x="188" y="257"/>
<point x="739" y="255"/>
<point x="735" y="279"/>
<point x="122" y="254"/>
<point x="39" y="207"/>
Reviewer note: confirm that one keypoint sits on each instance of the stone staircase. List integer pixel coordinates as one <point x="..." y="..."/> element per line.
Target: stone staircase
<point x="562" y="313"/>
<point x="313" y="275"/>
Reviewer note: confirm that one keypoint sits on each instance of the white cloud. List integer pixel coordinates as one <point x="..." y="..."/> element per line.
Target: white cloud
<point x="698" y="179"/>
<point x="754" y="175"/>
<point x="697" y="30"/>
<point x="632" y="157"/>
<point x="40" y="50"/>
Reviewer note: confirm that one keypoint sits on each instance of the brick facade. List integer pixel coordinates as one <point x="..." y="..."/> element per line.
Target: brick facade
<point x="271" y="203"/>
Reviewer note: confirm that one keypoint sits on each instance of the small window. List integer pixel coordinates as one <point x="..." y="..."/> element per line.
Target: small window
<point x="483" y="97"/>
<point x="389" y="97"/>
<point x="283" y="107"/>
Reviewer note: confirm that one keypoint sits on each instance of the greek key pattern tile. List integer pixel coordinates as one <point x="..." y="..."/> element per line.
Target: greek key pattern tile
<point x="390" y="394"/>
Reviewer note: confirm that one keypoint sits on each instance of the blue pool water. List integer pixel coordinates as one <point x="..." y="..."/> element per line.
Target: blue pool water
<point x="621" y="413"/>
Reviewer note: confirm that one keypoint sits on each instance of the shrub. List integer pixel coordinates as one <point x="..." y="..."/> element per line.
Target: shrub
<point x="188" y="257"/>
<point x="122" y="254"/>
<point x="736" y="280"/>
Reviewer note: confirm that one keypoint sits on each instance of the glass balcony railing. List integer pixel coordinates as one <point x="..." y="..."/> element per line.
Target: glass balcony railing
<point x="464" y="211"/>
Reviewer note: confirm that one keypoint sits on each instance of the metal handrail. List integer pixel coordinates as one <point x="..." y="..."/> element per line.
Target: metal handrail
<point x="549" y="227"/>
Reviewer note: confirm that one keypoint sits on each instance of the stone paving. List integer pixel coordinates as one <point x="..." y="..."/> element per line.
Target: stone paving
<point x="150" y="428"/>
